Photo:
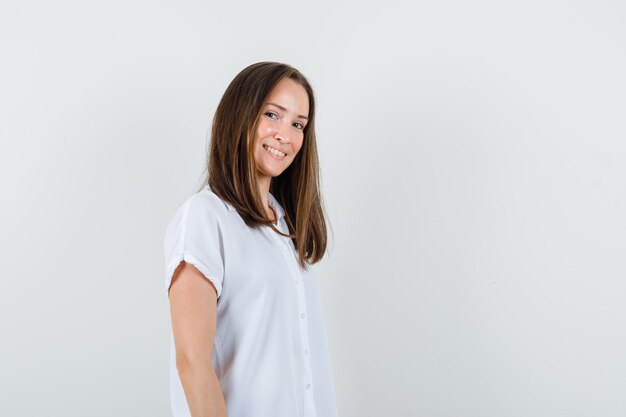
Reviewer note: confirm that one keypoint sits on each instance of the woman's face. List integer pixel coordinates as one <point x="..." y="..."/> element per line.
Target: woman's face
<point x="281" y="128"/>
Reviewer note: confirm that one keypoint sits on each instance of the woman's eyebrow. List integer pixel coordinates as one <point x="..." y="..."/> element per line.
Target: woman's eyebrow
<point x="284" y="109"/>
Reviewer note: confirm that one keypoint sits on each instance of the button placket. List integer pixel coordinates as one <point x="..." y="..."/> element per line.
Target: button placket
<point x="290" y="258"/>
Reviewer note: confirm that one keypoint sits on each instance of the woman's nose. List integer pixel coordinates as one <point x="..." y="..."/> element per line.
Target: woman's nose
<point x="283" y="132"/>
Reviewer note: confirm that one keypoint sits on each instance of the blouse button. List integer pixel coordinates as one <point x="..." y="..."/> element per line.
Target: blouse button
<point x="302" y="315"/>
<point x="308" y="386"/>
<point x="284" y="246"/>
<point x="306" y="351"/>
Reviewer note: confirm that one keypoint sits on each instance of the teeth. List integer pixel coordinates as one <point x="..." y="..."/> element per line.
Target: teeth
<point x="274" y="151"/>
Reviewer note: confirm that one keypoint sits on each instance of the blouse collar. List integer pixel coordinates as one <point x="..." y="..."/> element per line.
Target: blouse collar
<point x="280" y="213"/>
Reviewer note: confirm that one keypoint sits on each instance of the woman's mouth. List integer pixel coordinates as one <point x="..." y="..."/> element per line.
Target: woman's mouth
<point x="276" y="154"/>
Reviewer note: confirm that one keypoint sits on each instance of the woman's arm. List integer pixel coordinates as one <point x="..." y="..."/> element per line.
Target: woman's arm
<point x="193" y="306"/>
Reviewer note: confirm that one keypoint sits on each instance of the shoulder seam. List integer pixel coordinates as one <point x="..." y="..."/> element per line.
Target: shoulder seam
<point x="215" y="196"/>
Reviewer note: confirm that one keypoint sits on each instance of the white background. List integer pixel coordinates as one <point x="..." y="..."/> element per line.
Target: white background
<point x="473" y="168"/>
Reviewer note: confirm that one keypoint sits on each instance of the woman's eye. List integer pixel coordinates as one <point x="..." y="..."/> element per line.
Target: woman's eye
<point x="270" y="114"/>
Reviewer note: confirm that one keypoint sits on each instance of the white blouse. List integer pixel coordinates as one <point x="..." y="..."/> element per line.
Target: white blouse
<point x="270" y="352"/>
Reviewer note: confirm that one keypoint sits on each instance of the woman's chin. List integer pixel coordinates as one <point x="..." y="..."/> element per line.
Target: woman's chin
<point x="271" y="172"/>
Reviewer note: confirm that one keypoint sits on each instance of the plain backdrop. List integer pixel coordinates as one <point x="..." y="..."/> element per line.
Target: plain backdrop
<point x="473" y="163"/>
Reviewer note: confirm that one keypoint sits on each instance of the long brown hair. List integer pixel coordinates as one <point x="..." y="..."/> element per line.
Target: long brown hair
<point x="231" y="167"/>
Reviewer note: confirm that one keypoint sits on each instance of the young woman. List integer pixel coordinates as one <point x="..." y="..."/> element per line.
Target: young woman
<point x="248" y="332"/>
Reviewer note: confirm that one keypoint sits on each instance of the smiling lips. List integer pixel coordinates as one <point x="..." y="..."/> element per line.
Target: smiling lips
<point x="274" y="152"/>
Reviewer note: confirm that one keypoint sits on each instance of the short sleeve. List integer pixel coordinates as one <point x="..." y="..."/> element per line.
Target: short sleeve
<point x="193" y="235"/>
